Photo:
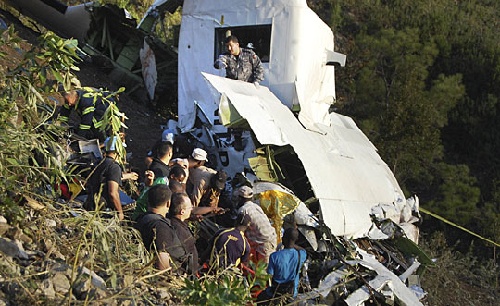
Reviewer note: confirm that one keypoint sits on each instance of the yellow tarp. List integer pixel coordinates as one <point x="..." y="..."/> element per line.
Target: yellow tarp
<point x="276" y="204"/>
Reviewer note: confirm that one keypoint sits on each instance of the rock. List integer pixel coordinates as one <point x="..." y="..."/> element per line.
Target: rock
<point x="21" y="254"/>
<point x="81" y="289"/>
<point x="4" y="227"/>
<point x="126" y="303"/>
<point x="102" y="294"/>
<point x="8" y="267"/>
<point x="16" y="233"/>
<point x="97" y="281"/>
<point x="3" y="220"/>
<point x="48" y="288"/>
<point x="11" y="288"/>
<point x="56" y="267"/>
<point x="9" y="247"/>
<point x="47" y="245"/>
<point x="61" y="283"/>
<point x="50" y="223"/>
<point x="163" y="294"/>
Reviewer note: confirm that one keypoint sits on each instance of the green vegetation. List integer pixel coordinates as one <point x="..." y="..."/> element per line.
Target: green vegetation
<point x="92" y="258"/>
<point x="31" y="154"/>
<point x="227" y="287"/>
<point x="422" y="81"/>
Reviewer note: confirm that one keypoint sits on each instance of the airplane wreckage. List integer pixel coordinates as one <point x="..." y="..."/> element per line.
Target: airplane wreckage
<point x="309" y="165"/>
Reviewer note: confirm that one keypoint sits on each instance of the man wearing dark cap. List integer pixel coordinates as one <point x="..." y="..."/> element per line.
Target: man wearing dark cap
<point x="260" y="233"/>
<point x="213" y="192"/>
<point x="230" y="246"/>
<point x="240" y="63"/>
<point x="284" y="266"/>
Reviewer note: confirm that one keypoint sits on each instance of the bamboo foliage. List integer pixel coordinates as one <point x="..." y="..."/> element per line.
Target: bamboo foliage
<point x="32" y="154"/>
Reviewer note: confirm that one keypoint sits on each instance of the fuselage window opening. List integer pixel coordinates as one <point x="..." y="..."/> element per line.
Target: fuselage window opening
<point x="256" y="37"/>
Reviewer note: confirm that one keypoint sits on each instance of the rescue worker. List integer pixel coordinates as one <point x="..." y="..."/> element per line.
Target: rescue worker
<point x="199" y="175"/>
<point x="261" y="235"/>
<point x="230" y="246"/>
<point x="240" y="63"/>
<point x="160" y="162"/>
<point x="108" y="176"/>
<point x="154" y="226"/>
<point x="284" y="266"/>
<point x="169" y="234"/>
<point x="167" y="136"/>
<point x="90" y="104"/>
<point x="214" y="189"/>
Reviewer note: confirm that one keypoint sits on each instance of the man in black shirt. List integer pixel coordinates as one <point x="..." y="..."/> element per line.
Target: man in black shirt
<point x="153" y="225"/>
<point x="160" y="162"/>
<point x="108" y="177"/>
<point x="169" y="237"/>
<point x="230" y="246"/>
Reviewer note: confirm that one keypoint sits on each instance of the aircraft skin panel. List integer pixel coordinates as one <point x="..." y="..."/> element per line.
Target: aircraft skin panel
<point x="299" y="47"/>
<point x="74" y="23"/>
<point x="345" y="171"/>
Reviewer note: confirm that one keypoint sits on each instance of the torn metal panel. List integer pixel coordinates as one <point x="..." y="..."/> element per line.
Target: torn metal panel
<point x="66" y="21"/>
<point x="384" y="278"/>
<point x="113" y="41"/>
<point x="347" y="175"/>
<point x="149" y="74"/>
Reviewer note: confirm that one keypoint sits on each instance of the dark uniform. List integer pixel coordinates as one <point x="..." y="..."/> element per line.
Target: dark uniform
<point x="245" y="67"/>
<point x="159" y="168"/>
<point x="107" y="170"/>
<point x="230" y="247"/>
<point x="90" y="106"/>
<point x="169" y="235"/>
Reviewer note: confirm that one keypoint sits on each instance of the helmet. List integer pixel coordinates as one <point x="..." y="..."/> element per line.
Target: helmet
<point x="168" y="136"/>
<point x="110" y="144"/>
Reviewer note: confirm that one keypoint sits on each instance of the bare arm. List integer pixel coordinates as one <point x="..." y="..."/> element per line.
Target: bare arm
<point x="130" y="176"/>
<point x="114" y="195"/>
<point x="201" y="210"/>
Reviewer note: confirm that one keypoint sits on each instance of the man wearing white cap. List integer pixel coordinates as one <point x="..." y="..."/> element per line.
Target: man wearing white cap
<point x="199" y="175"/>
<point x="260" y="233"/>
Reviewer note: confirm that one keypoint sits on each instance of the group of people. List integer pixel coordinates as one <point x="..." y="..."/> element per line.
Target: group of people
<point x="181" y="190"/>
<point x="252" y="237"/>
<point x="174" y="196"/>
